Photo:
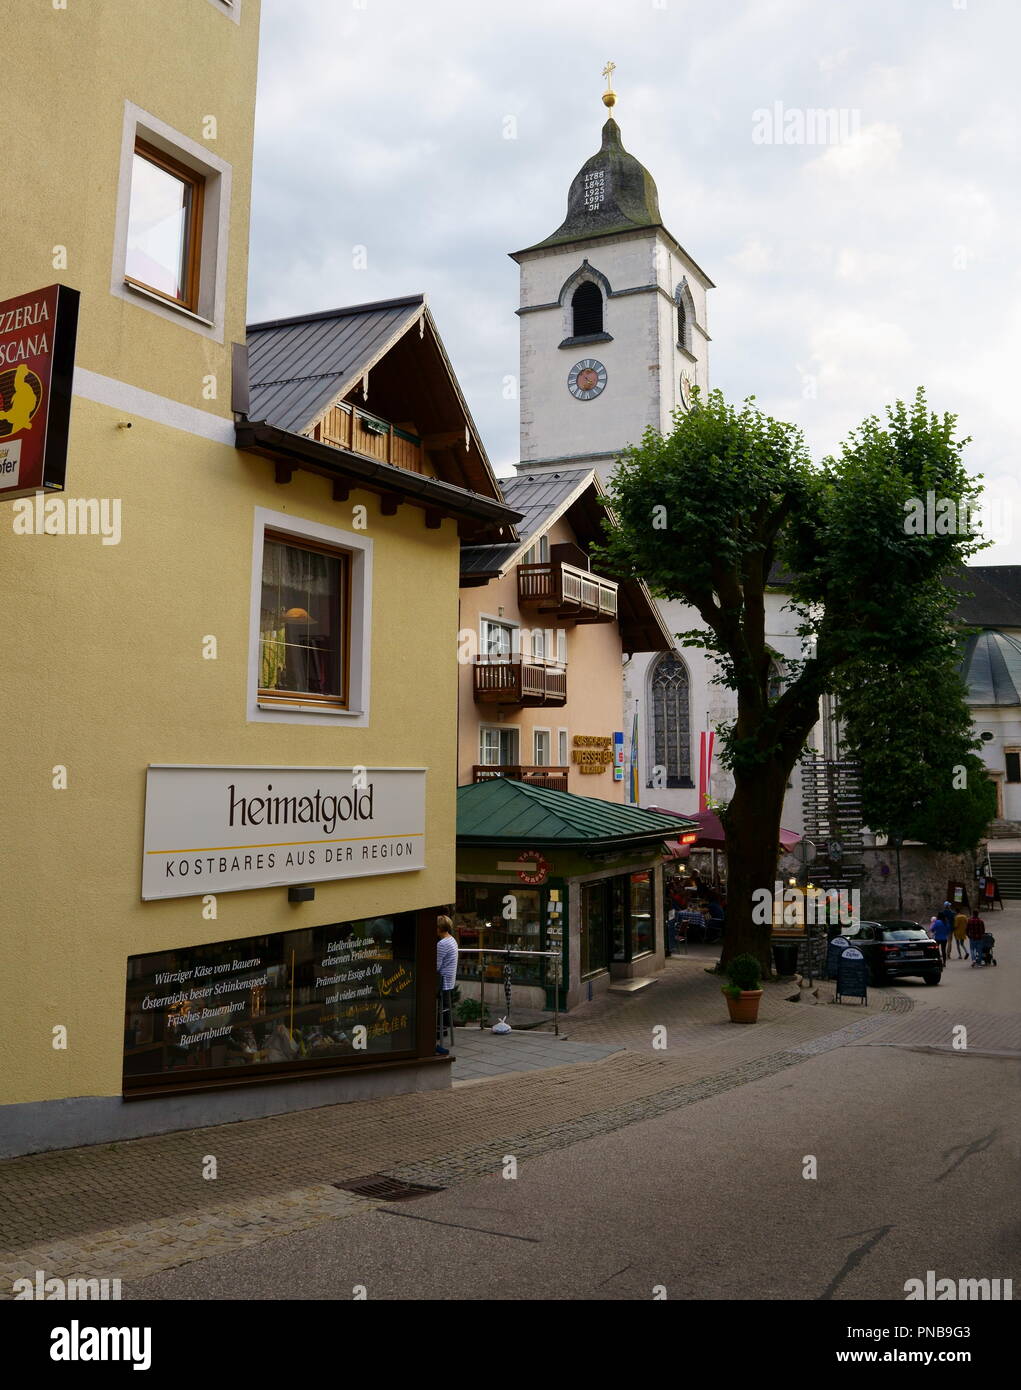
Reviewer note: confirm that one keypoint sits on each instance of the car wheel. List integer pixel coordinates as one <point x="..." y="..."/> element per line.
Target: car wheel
<point x="933" y="979"/>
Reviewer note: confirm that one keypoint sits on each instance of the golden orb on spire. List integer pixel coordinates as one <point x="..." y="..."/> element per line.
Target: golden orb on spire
<point x="609" y="96"/>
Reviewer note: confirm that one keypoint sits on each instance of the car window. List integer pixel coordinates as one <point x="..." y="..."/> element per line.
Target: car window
<point x="905" y="934"/>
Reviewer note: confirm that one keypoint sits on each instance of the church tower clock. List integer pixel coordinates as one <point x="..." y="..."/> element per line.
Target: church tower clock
<point x="613" y="318"/>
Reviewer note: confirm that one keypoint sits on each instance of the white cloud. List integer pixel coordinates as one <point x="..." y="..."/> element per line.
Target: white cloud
<point x="753" y="258"/>
<point x="871" y="149"/>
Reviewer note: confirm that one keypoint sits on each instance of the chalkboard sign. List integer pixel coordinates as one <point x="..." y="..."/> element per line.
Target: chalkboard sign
<point x="834" y="951"/>
<point x="991" y="892"/>
<point x="852" y="976"/>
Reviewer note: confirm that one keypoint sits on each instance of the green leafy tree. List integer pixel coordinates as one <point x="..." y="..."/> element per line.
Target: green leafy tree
<point x="704" y="512"/>
<point x="911" y="731"/>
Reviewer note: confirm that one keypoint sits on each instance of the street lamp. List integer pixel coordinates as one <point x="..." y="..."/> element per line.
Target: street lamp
<point x="897" y="841"/>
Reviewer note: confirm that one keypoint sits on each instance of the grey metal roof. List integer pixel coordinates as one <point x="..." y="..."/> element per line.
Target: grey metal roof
<point x="486" y="559"/>
<point x="992" y="669"/>
<point x="537" y="495"/>
<point x="297" y="366"/>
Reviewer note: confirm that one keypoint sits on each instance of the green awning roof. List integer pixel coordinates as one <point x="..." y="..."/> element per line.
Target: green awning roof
<point x="503" y="812"/>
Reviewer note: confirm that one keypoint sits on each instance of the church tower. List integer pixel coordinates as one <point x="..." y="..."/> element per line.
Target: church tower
<point x="613" y="318"/>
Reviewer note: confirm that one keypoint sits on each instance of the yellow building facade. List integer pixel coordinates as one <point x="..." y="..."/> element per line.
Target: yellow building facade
<point x="136" y="645"/>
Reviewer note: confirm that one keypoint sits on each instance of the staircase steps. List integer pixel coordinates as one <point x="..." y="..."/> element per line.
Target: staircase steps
<point x="1006" y="869"/>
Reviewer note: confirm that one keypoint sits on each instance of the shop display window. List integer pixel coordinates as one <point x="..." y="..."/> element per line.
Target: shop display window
<point x="342" y="992"/>
<point x="499" y="916"/>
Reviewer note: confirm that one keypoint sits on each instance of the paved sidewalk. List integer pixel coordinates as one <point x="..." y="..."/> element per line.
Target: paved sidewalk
<point x="129" y="1209"/>
<point x="480" y="1053"/>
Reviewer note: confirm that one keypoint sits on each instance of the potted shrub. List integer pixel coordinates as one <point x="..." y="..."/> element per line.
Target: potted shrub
<point x="744" y="990"/>
<point x="470" y="1011"/>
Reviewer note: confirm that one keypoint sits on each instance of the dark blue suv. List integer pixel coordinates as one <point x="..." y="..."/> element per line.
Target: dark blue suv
<point x="897" y="948"/>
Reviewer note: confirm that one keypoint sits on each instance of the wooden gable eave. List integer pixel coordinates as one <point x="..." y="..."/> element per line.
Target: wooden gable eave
<point x="474" y="514"/>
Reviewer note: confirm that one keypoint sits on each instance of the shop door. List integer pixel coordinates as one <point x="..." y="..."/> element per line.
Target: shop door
<point x="595" y="927"/>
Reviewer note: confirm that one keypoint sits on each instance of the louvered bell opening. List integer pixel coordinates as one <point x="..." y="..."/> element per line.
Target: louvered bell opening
<point x="587" y="304"/>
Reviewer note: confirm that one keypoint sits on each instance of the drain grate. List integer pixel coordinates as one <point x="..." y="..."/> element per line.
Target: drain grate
<point x="385" y="1188"/>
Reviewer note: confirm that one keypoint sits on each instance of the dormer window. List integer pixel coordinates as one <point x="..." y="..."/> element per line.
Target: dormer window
<point x="587" y="308"/>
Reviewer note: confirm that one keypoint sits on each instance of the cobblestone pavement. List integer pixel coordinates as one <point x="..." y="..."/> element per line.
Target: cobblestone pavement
<point x="129" y="1209"/>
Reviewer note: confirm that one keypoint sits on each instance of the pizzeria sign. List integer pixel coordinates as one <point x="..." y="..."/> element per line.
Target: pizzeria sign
<point x="37" y="343"/>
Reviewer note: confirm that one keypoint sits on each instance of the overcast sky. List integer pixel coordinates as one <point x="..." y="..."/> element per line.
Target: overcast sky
<point x="848" y="273"/>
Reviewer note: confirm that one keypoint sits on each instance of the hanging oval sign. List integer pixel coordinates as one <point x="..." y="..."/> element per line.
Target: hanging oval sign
<point x="537" y="870"/>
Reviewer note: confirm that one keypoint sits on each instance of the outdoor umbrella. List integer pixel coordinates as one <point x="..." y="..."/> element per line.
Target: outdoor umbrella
<point x="710" y="832"/>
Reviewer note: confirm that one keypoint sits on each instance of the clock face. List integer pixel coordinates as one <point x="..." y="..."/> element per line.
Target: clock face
<point x="686" y="390"/>
<point x="586" y="379"/>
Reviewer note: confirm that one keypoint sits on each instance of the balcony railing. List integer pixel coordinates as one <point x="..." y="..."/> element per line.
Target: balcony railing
<point x="555" y="778"/>
<point x="348" y="427"/>
<point x="509" y="682"/>
<point x="568" y="591"/>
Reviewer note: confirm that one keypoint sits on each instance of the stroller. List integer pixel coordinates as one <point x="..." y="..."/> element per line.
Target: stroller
<point x="987" y="943"/>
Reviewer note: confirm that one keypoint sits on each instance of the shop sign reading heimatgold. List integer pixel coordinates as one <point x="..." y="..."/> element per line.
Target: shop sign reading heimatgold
<point x="221" y="829"/>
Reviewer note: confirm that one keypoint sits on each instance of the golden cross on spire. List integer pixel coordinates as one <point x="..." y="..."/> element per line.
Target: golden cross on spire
<point x="609" y="96"/>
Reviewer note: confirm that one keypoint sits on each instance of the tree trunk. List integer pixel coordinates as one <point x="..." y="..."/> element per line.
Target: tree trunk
<point x="752" y="825"/>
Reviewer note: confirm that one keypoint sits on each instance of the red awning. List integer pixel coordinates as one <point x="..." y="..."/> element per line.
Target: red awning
<point x="710" y="834"/>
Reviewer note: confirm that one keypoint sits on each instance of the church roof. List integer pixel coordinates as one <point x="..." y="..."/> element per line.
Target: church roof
<point x="992" y="669"/>
<point x="612" y="193"/>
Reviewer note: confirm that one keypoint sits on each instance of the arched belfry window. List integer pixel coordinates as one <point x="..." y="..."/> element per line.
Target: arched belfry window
<point x="685" y="315"/>
<point x="587" y="308"/>
<point x="671" y="719"/>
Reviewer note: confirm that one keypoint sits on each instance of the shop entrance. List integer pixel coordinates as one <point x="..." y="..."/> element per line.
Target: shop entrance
<point x="595" y="927"/>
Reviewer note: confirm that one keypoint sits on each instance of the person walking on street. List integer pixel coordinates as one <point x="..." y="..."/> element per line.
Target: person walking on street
<point x="941" y="932"/>
<point x="976" y="930"/>
<point x="446" y="975"/>
<point x="961" y="935"/>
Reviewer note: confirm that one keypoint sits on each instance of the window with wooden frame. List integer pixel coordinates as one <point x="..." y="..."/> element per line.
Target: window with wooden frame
<point x="164" y="227"/>
<point x="305" y="624"/>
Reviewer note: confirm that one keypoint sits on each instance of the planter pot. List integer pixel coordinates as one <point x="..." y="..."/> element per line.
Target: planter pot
<point x="745" y="1008"/>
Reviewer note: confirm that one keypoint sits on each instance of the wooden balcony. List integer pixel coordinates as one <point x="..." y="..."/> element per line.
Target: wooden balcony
<point x="519" y="682"/>
<point x="349" y="427"/>
<point x="571" y="593"/>
<point x="555" y="778"/>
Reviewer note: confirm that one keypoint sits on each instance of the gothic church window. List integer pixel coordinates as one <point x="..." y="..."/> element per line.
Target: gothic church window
<point x="587" y="307"/>
<point x="671" y="720"/>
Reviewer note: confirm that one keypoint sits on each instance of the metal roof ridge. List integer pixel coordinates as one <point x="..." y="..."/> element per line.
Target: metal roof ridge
<point x="344" y="312"/>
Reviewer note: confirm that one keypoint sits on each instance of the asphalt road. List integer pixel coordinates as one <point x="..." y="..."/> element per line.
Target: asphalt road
<point x="916" y="1159"/>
